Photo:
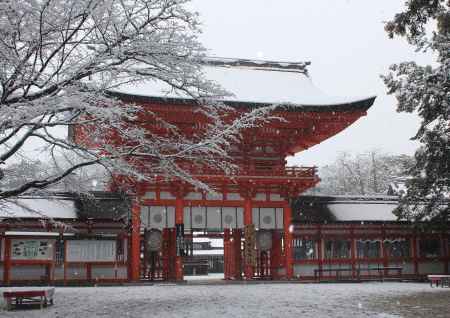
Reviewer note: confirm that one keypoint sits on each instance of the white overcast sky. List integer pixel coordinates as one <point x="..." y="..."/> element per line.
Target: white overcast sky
<point x="348" y="48"/>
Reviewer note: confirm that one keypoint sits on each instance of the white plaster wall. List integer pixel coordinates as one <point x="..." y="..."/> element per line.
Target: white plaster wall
<point x="431" y="268"/>
<point x="304" y="269"/>
<point x="58" y="272"/>
<point x="27" y="272"/>
<point x="76" y="272"/>
<point x="109" y="272"/>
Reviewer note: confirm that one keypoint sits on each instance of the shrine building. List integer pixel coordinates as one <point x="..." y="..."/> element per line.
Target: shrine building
<point x="251" y="208"/>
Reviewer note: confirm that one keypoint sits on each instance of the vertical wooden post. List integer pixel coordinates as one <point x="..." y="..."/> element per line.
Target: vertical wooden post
<point x="135" y="253"/>
<point x="353" y="252"/>
<point x="7" y="262"/>
<point x="275" y="254"/>
<point x="248" y="269"/>
<point x="446" y="252"/>
<point x="287" y="215"/>
<point x="415" y="253"/>
<point x="166" y="253"/>
<point x="179" y="275"/>
<point x="227" y="255"/>
<point x="320" y="254"/>
<point x="384" y="254"/>
<point x="237" y="253"/>
<point x="65" y="263"/>
<point x="89" y="272"/>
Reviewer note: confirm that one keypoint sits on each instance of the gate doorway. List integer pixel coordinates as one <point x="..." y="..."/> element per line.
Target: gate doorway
<point x="204" y="257"/>
<point x="212" y="255"/>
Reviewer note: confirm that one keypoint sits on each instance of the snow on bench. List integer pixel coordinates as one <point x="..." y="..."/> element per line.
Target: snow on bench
<point x="42" y="297"/>
<point x="443" y="280"/>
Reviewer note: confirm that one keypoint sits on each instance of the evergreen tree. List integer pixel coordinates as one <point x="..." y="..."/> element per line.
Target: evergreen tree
<point x="426" y="91"/>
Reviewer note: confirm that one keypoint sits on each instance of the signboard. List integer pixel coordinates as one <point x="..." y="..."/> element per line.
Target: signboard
<point x="180" y="239"/>
<point x="32" y="249"/>
<point x="249" y="246"/>
<point x="91" y="251"/>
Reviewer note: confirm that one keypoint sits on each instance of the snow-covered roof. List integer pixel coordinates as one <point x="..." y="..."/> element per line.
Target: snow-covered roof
<point x="97" y="205"/>
<point x="365" y="211"/>
<point x="254" y="81"/>
<point x="38" y="207"/>
<point x="345" y="208"/>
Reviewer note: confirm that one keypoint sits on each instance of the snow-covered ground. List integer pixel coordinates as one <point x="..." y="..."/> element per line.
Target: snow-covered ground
<point x="211" y="276"/>
<point x="256" y="300"/>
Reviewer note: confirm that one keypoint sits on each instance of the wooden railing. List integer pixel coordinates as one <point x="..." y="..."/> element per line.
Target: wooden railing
<point x="280" y="172"/>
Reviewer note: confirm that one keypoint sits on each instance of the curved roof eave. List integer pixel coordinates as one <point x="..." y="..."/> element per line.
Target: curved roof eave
<point x="357" y="105"/>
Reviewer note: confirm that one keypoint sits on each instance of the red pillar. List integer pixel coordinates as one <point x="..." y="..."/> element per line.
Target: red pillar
<point x="179" y="276"/>
<point x="248" y="269"/>
<point x="353" y="252"/>
<point x="237" y="253"/>
<point x="384" y="254"/>
<point x="166" y="254"/>
<point x="275" y="254"/>
<point x="135" y="251"/>
<point x="319" y="248"/>
<point x="415" y="253"/>
<point x="7" y="262"/>
<point x="287" y="213"/>
<point x="227" y="255"/>
<point x="446" y="252"/>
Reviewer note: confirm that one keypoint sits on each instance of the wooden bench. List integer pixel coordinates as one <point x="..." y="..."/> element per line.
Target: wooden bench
<point x="443" y="280"/>
<point x="42" y="297"/>
<point x="381" y="271"/>
<point x="318" y="272"/>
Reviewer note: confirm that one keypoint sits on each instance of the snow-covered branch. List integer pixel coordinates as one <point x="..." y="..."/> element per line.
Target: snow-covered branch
<point x="59" y="60"/>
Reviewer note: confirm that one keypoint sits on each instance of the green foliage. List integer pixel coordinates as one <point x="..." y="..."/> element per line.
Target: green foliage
<point x="425" y="90"/>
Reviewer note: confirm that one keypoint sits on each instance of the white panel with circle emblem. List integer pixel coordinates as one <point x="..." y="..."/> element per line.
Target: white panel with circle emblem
<point x="229" y="220"/>
<point x="157" y="217"/>
<point x="267" y="218"/>
<point x="198" y="217"/>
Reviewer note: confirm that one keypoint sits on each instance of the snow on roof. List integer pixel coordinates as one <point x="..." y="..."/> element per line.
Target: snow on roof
<point x="367" y="211"/>
<point x="252" y="81"/>
<point x="345" y="208"/>
<point x="38" y="207"/>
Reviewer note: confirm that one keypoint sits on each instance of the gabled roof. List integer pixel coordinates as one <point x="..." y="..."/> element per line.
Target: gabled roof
<point x="254" y="82"/>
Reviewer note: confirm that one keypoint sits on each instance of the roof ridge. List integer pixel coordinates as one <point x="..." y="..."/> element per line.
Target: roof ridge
<point x="269" y="65"/>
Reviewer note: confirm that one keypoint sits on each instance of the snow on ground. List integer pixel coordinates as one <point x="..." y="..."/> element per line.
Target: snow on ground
<point x="233" y="300"/>
<point x="211" y="276"/>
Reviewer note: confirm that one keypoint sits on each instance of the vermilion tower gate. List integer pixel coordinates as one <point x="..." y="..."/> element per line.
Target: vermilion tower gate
<point x="251" y="207"/>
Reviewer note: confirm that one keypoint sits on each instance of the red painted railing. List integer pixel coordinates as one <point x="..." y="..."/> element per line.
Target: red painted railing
<point x="279" y="172"/>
